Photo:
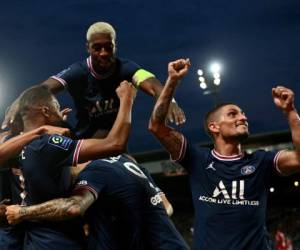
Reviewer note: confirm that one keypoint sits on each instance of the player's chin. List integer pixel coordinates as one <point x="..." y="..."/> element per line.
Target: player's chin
<point x="242" y="136"/>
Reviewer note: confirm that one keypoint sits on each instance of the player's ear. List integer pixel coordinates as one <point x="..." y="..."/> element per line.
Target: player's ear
<point x="45" y="111"/>
<point x="213" y="127"/>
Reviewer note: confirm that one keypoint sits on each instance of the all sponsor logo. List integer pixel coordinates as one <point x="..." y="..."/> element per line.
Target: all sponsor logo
<point x="222" y="195"/>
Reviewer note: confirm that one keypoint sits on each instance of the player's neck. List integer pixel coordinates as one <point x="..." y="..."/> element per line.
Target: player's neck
<point x="31" y="125"/>
<point x="228" y="149"/>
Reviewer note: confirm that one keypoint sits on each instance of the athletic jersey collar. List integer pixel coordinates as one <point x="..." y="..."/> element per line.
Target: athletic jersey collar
<point x="94" y="73"/>
<point x="226" y="157"/>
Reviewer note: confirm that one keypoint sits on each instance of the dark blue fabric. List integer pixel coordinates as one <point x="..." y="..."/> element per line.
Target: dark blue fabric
<point x="128" y="213"/>
<point x="230" y="199"/>
<point x="95" y="99"/>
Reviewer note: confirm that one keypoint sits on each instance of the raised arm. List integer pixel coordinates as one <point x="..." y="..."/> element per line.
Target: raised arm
<point x="116" y="140"/>
<point x="289" y="160"/>
<point x="13" y="146"/>
<point x="169" y="138"/>
<point x="53" y="85"/>
<point x="153" y="87"/>
<point x="57" y="209"/>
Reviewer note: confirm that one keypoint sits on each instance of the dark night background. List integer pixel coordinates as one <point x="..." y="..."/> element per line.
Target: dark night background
<point x="256" y="42"/>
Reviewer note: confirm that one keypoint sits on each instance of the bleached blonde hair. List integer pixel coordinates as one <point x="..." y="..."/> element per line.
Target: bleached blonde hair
<point x="102" y="28"/>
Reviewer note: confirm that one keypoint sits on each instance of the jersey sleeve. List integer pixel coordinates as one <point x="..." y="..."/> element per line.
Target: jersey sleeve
<point x="58" y="150"/>
<point x="270" y="159"/>
<point x="92" y="179"/>
<point x="149" y="177"/>
<point x="69" y="76"/>
<point x="190" y="155"/>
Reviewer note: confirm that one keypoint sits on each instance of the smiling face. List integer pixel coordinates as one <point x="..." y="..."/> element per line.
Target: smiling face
<point x="228" y="122"/>
<point x="102" y="49"/>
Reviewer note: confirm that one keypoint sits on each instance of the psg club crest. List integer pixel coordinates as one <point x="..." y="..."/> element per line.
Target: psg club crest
<point x="246" y="170"/>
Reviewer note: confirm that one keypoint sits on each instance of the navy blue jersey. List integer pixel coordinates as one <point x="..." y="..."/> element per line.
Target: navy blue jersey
<point x="11" y="237"/>
<point x="229" y="196"/>
<point x="95" y="95"/>
<point x="44" y="168"/>
<point x="43" y="173"/>
<point x="128" y="212"/>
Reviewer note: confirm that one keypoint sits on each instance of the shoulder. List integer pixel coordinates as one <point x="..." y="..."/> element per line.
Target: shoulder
<point x="77" y="68"/>
<point x="128" y="65"/>
<point x="261" y="154"/>
<point x="51" y="141"/>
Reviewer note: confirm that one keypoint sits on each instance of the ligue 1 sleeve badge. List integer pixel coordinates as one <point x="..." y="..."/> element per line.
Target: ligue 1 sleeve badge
<point x="60" y="141"/>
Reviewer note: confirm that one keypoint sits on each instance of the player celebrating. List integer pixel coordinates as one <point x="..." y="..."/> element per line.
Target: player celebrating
<point x="92" y="84"/>
<point x="127" y="210"/>
<point x="229" y="186"/>
<point x="43" y="170"/>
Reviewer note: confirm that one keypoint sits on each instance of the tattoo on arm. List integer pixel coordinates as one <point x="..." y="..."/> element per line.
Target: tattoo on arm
<point x="172" y="141"/>
<point x="160" y="113"/>
<point x="169" y="137"/>
<point x="58" y="209"/>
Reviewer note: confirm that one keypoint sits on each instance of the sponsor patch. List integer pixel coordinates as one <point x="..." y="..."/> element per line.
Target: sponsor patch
<point x="60" y="141"/>
<point x="246" y="170"/>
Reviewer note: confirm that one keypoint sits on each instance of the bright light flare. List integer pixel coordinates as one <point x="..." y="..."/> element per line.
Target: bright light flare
<point x="201" y="79"/>
<point x="296" y="183"/>
<point x="203" y="85"/>
<point x="200" y="72"/>
<point x="272" y="190"/>
<point x="215" y="68"/>
<point x="217" y="81"/>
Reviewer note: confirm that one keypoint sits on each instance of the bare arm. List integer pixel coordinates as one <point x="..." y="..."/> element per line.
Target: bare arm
<point x="116" y="140"/>
<point x="13" y="146"/>
<point x="53" y="85"/>
<point x="153" y="87"/>
<point x="170" y="138"/>
<point x="57" y="209"/>
<point x="288" y="161"/>
<point x="168" y="206"/>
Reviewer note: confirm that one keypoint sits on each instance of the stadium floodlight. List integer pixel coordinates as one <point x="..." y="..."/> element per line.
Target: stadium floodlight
<point x="216" y="75"/>
<point x="210" y="81"/>
<point x="217" y="81"/>
<point x="200" y="72"/>
<point x="272" y="189"/>
<point x="203" y="85"/>
<point x="215" y="68"/>
<point x="201" y="79"/>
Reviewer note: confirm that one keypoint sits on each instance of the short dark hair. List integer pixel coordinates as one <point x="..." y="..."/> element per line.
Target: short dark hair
<point x="211" y="113"/>
<point x="33" y="97"/>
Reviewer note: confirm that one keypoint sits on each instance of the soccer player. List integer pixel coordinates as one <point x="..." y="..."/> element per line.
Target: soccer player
<point x="93" y="81"/>
<point x="9" y="148"/>
<point x="42" y="171"/>
<point x="229" y="186"/>
<point x="126" y="210"/>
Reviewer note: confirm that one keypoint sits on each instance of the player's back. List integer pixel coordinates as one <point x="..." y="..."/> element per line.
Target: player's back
<point x="129" y="210"/>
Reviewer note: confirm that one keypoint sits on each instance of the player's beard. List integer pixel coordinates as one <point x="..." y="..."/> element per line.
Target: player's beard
<point x="242" y="137"/>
